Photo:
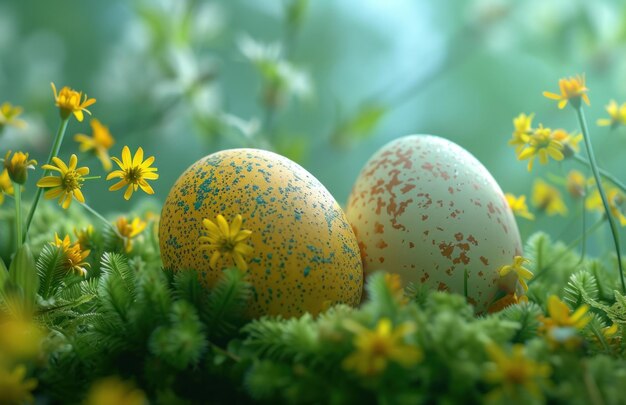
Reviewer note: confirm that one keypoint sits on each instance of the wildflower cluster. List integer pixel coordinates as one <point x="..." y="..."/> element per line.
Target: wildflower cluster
<point x="602" y="192"/>
<point x="542" y="143"/>
<point x="67" y="184"/>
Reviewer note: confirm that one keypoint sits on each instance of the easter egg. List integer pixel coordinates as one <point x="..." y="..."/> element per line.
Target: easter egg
<point x="425" y="208"/>
<point x="305" y="256"/>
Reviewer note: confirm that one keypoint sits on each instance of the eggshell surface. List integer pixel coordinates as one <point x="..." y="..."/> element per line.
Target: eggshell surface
<point x="425" y="208"/>
<point x="305" y="254"/>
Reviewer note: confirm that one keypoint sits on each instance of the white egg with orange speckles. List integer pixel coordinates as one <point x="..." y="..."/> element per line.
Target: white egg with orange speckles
<point x="425" y="208"/>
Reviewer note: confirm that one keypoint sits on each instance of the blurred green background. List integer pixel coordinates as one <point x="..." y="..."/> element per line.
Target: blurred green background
<point x="323" y="82"/>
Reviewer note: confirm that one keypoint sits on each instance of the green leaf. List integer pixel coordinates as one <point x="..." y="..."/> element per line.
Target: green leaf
<point x="579" y="282"/>
<point x="227" y="303"/>
<point x="187" y="287"/>
<point x="51" y="270"/>
<point x="526" y="315"/>
<point x="382" y="301"/>
<point x="153" y="302"/>
<point x="295" y="11"/>
<point x="183" y="343"/>
<point x="4" y="273"/>
<point x="360" y="126"/>
<point x="537" y="249"/>
<point x="23" y="274"/>
<point x="4" y="277"/>
<point x="117" y="284"/>
<point x="279" y="339"/>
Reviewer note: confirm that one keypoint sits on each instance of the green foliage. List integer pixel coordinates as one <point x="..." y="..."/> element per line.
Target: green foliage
<point x="51" y="270"/>
<point x="181" y="342"/>
<point x="117" y="286"/>
<point x="359" y="126"/>
<point x="23" y="276"/>
<point x="526" y="316"/>
<point x="581" y="284"/>
<point x="227" y="303"/>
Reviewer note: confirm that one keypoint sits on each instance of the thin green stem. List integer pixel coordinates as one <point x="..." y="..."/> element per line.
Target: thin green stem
<point x="583" y="246"/>
<point x="103" y="219"/>
<point x="225" y="352"/>
<point x="58" y="140"/>
<point x="465" y="278"/>
<point x="605" y="201"/>
<point x="607" y="176"/>
<point x="17" y="192"/>
<point x="542" y="269"/>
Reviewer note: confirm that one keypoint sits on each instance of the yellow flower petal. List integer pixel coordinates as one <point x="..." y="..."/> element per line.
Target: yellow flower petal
<point x="49" y="181"/>
<point x="128" y="193"/>
<point x="138" y="157"/>
<point x="126" y="159"/>
<point x="118" y="185"/>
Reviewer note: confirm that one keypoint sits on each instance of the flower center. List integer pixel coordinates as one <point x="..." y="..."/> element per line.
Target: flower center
<point x="516" y="374"/>
<point x="226" y="245"/>
<point x="134" y="174"/>
<point x="72" y="180"/>
<point x="380" y="347"/>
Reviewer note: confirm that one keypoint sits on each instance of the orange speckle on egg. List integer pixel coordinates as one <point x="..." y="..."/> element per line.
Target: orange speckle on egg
<point x="446" y="249"/>
<point x="379" y="228"/>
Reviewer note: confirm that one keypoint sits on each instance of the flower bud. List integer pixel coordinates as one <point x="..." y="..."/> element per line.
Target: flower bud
<point x="18" y="165"/>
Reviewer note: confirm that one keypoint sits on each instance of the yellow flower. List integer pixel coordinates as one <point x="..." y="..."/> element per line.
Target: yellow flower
<point x="572" y="89"/>
<point x="543" y="144"/>
<point x="20" y="338"/>
<point x="518" y="206"/>
<point x="17" y="166"/>
<point x="617" y="115"/>
<point x="560" y="315"/>
<point x="569" y="141"/>
<point x="134" y="173"/>
<point x="15" y="388"/>
<point x="395" y="287"/>
<point x="130" y="230"/>
<point x="226" y="240"/>
<point x="507" y="300"/>
<point x="74" y="255"/>
<point x="9" y="114"/>
<point x="547" y="198"/>
<point x="376" y="348"/>
<point x="112" y="390"/>
<point x="518" y="268"/>
<point x="610" y="331"/>
<point x="99" y="143"/>
<point x="514" y="372"/>
<point x="69" y="102"/>
<point x="68" y="184"/>
<point x="561" y="325"/>
<point x="6" y="187"/>
<point x="84" y="237"/>
<point x="576" y="184"/>
<point x="523" y="128"/>
<point x="616" y="201"/>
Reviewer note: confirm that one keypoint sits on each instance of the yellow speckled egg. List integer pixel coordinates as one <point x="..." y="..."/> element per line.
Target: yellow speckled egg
<point x="425" y="208"/>
<point x="305" y="254"/>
